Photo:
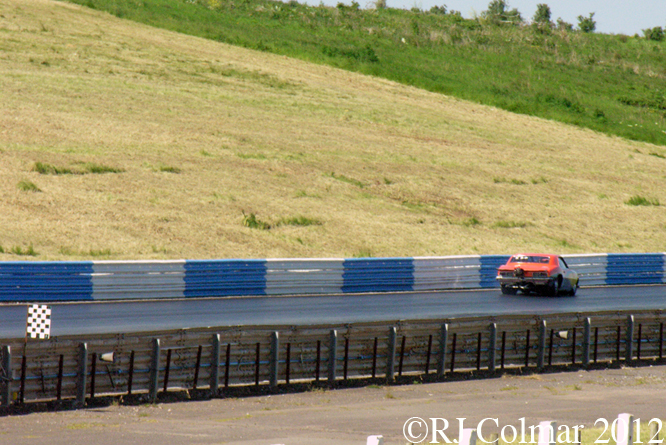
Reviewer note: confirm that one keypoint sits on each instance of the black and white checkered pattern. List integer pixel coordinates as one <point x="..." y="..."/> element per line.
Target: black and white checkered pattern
<point x="39" y="321"/>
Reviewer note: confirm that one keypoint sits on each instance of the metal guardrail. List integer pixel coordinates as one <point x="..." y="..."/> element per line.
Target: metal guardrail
<point x="109" y="280"/>
<point x="73" y="369"/>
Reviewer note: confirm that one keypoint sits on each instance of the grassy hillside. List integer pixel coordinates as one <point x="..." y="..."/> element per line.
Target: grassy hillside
<point x="612" y="84"/>
<point x="123" y="141"/>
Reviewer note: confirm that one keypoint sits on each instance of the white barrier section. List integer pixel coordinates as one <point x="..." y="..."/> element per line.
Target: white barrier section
<point x="468" y="436"/>
<point x="547" y="431"/>
<point x="454" y="272"/>
<point x="625" y="429"/>
<point x="375" y="440"/>
<point x="304" y="276"/>
<point x="591" y="268"/>
<point x="113" y="280"/>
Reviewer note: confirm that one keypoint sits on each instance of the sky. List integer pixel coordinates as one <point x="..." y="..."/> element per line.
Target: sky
<point x="612" y="16"/>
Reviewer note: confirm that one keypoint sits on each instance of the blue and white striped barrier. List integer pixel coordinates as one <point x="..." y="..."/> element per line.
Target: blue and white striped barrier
<point x="112" y="280"/>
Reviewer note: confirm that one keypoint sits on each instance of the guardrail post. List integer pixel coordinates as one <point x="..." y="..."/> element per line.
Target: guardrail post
<point x="6" y="375"/>
<point x="587" y="333"/>
<point x="82" y="375"/>
<point x="275" y="357"/>
<point x="332" y="348"/>
<point x="492" y="347"/>
<point x="630" y="339"/>
<point x="154" y="371"/>
<point x="390" y="359"/>
<point x="215" y="365"/>
<point x="541" y="351"/>
<point x="441" y="359"/>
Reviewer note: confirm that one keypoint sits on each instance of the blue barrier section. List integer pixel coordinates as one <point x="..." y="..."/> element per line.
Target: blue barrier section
<point x="646" y="268"/>
<point x="218" y="278"/>
<point x="46" y="281"/>
<point x="488" y="269"/>
<point x="378" y="275"/>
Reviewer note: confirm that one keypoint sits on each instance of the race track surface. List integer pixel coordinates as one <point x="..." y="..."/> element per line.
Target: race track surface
<point x="143" y="316"/>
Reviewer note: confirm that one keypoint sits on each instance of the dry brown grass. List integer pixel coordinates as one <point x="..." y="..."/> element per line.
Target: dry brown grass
<point x="207" y="132"/>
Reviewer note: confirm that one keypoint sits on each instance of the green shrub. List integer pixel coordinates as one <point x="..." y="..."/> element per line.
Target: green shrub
<point x="587" y="24"/>
<point x="656" y="34"/>
<point x="28" y="186"/>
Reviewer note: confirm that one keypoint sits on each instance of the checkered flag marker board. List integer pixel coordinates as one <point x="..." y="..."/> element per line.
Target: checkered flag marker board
<point x="39" y="321"/>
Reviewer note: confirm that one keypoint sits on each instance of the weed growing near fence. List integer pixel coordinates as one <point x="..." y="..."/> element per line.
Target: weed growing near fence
<point x="29" y="251"/>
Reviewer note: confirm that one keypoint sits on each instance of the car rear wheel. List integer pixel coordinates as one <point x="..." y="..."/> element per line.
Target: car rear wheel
<point x="573" y="290"/>
<point x="508" y="290"/>
<point x="555" y="286"/>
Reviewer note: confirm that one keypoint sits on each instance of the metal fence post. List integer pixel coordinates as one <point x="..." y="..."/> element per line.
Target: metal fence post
<point x="332" y="348"/>
<point x="492" y="347"/>
<point x="630" y="339"/>
<point x="6" y="375"/>
<point x="541" y="352"/>
<point x="82" y="375"/>
<point x="587" y="333"/>
<point x="215" y="365"/>
<point x="390" y="359"/>
<point x="441" y="359"/>
<point x="154" y="371"/>
<point x="275" y="357"/>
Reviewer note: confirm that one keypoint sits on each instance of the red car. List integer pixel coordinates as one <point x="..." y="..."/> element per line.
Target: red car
<point x="537" y="272"/>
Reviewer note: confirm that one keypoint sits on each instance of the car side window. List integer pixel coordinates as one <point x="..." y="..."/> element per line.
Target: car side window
<point x="563" y="264"/>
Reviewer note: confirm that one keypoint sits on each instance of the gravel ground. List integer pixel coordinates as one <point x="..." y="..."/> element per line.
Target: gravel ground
<point x="348" y="416"/>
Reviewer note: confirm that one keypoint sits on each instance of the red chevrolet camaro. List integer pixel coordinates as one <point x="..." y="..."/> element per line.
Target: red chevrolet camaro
<point x="537" y="272"/>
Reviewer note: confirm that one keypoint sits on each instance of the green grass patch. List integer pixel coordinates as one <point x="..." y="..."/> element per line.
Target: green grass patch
<point x="638" y="200"/>
<point x="99" y="252"/>
<point x="90" y="167"/>
<point x="99" y="169"/>
<point x="502" y="180"/>
<point x="471" y="222"/>
<point x="346" y="179"/>
<point x="29" y="251"/>
<point x="28" y="186"/>
<point x="258" y="156"/>
<point x="299" y="221"/>
<point x="169" y="169"/>
<point x="608" y="83"/>
<point x="48" y="169"/>
<point x="253" y="222"/>
<point x="510" y="224"/>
